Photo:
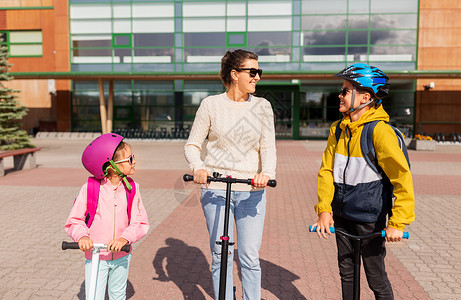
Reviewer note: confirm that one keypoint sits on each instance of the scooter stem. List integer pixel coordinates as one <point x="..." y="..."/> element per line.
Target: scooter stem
<point x="225" y="246"/>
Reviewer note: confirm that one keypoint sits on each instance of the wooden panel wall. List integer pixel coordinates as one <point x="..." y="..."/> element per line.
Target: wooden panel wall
<point x="54" y="24"/>
<point x="439" y="48"/>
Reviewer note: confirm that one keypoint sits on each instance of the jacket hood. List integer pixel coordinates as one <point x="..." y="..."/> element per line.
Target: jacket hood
<point x="373" y="114"/>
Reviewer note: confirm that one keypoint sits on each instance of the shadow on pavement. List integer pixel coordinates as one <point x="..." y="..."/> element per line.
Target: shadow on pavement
<point x="185" y="266"/>
<point x="129" y="291"/>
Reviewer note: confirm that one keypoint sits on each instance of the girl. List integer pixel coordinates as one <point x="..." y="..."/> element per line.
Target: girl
<point x="109" y="160"/>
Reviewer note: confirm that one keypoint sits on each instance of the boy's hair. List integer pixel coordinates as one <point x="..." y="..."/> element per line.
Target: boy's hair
<point x="117" y="155"/>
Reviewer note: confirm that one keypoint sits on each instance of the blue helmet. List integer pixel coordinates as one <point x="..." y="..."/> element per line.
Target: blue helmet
<point x="367" y="77"/>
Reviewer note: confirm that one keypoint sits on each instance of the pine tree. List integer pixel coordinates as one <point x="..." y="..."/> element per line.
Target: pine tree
<point x="11" y="111"/>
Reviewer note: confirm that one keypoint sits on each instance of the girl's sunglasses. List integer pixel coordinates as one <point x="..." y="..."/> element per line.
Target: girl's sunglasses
<point x="343" y="92"/>
<point x="130" y="160"/>
<point x="254" y="71"/>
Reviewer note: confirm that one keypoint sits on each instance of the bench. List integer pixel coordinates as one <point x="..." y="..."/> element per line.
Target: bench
<point x="20" y="157"/>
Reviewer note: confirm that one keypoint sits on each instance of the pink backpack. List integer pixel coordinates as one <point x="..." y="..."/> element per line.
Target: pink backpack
<point x="93" y="197"/>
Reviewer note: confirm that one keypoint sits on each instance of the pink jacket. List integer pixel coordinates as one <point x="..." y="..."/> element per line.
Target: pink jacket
<point x="111" y="219"/>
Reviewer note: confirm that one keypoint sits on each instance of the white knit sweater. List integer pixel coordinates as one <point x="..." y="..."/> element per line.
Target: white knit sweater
<point x="241" y="139"/>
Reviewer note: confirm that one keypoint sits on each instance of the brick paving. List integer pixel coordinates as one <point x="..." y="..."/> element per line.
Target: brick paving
<point x="173" y="260"/>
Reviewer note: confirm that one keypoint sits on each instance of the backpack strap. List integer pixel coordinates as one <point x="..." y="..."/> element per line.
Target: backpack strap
<point x="368" y="148"/>
<point x="91" y="199"/>
<point x="130" y="196"/>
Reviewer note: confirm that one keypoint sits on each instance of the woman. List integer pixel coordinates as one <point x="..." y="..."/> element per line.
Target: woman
<point x="241" y="144"/>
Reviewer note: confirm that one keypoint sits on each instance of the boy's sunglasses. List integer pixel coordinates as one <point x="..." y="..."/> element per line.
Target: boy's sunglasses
<point x="129" y="160"/>
<point x="253" y="71"/>
<point x="343" y="92"/>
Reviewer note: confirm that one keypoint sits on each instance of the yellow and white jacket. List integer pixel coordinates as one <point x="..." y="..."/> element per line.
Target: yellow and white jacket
<point x="350" y="188"/>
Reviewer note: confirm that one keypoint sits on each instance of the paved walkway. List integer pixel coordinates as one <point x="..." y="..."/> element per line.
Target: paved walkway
<point x="173" y="260"/>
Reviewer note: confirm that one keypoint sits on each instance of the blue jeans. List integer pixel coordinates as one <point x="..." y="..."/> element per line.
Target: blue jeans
<point x="116" y="270"/>
<point x="248" y="209"/>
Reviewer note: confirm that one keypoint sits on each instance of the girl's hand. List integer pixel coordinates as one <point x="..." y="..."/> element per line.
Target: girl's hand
<point x="200" y="176"/>
<point x="260" y="181"/>
<point x="116" y="245"/>
<point x="323" y="224"/>
<point x="85" y="243"/>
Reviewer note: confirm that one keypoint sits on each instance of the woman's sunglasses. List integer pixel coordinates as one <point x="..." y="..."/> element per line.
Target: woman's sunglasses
<point x="253" y="71"/>
<point x="129" y="160"/>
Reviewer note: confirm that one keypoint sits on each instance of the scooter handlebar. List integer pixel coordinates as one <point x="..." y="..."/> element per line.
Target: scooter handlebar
<point x="271" y="183"/>
<point x="406" y="235"/>
<point x="74" y="245"/>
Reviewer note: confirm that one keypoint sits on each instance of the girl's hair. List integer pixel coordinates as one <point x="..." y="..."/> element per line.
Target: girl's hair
<point x="117" y="154"/>
<point x="233" y="60"/>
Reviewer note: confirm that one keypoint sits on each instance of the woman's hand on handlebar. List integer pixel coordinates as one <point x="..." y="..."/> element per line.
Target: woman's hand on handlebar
<point x="85" y="243"/>
<point x="393" y="235"/>
<point x="200" y="176"/>
<point x="323" y="224"/>
<point x="260" y="181"/>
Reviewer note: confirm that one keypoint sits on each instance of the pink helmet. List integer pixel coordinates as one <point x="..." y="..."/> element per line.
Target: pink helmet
<point x="99" y="152"/>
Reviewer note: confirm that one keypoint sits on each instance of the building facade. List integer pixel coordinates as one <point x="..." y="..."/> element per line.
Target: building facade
<point x="163" y="57"/>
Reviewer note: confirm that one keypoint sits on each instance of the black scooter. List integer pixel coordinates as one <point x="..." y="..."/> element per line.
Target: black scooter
<point x="225" y="237"/>
<point x="357" y="250"/>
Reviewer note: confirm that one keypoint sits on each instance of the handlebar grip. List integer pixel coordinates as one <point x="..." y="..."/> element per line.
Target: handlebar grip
<point x="406" y="235"/>
<point x="188" y="177"/>
<point x="314" y="229"/>
<point x="272" y="183"/>
<point x="71" y="245"/>
<point x="126" y="248"/>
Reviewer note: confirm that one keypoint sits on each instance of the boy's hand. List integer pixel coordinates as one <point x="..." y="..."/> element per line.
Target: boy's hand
<point x="323" y="224"/>
<point x="393" y="235"/>
<point x="85" y="243"/>
<point x="116" y="245"/>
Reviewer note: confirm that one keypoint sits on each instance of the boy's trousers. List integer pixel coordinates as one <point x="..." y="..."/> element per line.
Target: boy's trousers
<point x="373" y="254"/>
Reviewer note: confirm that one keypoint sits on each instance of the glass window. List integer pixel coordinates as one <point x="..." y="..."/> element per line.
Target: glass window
<point x="24" y="43"/>
<point x="203" y="9"/>
<point x="358" y="37"/>
<point x="394" y="21"/>
<point x="121" y="10"/>
<point x="358" y="22"/>
<point x="93" y="11"/>
<point x="236" y="39"/>
<point x="325" y="38"/>
<point x="28" y="37"/>
<point x="402" y="53"/>
<point x="211" y="39"/>
<point x="153" y="25"/>
<point x="323" y="22"/>
<point x="325" y="51"/>
<point x="204" y="25"/>
<point x="91" y="52"/>
<point x="394" y="6"/>
<point x="235" y="8"/>
<point x="269" y="38"/>
<point x="274" y="8"/>
<point x="153" y="10"/>
<point x="385" y="37"/>
<point x="324" y="7"/>
<point x="21" y="50"/>
<point x="153" y="39"/>
<point x="269" y="24"/>
<point x="153" y="85"/>
<point x="90" y="26"/>
<point x="122" y="40"/>
<point x="122" y="26"/>
<point x="236" y="24"/>
<point x="92" y="43"/>
<point x="359" y="6"/>
<point x="146" y="98"/>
